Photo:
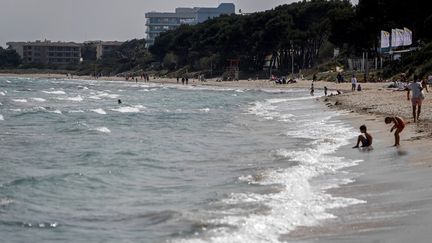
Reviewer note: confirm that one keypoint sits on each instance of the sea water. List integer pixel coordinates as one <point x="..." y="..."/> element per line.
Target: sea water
<point x="168" y="164"/>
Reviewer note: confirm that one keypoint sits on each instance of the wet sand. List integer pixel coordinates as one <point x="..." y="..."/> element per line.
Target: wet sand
<point x="395" y="182"/>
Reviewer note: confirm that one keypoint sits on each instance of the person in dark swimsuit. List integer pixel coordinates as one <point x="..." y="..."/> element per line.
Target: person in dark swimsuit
<point x="365" y="140"/>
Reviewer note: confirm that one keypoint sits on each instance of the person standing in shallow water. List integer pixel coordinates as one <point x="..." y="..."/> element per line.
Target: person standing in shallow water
<point x="399" y="125"/>
<point x="416" y="99"/>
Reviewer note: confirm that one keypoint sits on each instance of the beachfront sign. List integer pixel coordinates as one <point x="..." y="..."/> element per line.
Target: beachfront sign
<point x="399" y="37"/>
<point x="407" y="37"/>
<point x="385" y="39"/>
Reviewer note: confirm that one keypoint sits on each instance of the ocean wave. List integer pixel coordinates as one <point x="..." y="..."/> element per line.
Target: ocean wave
<point x="20" y="100"/>
<point x="106" y="95"/>
<point x="38" y="99"/>
<point x="1" y="117"/>
<point x="102" y="129"/>
<point x="127" y="109"/>
<point x="55" y="111"/>
<point x="2" y="93"/>
<point x="99" y="111"/>
<point x="77" y="98"/>
<point x="58" y="92"/>
<point x="5" y="202"/>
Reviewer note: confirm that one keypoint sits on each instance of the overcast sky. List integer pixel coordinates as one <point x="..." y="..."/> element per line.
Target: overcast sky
<point x="81" y="20"/>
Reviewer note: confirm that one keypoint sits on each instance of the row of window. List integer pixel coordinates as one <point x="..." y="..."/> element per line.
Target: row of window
<point x="171" y="20"/>
<point x="64" y="60"/>
<point x="59" y="54"/>
<point x="161" y="28"/>
<point x="53" y="60"/>
<point x="52" y="54"/>
<point x="51" y="48"/>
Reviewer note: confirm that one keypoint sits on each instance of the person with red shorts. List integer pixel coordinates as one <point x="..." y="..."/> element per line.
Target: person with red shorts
<point x="417" y="97"/>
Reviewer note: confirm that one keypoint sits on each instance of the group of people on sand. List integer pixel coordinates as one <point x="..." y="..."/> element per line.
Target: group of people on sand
<point x="415" y="94"/>
<point x="184" y="80"/>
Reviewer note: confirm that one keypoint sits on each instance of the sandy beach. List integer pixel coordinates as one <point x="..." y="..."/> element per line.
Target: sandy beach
<point x="398" y="189"/>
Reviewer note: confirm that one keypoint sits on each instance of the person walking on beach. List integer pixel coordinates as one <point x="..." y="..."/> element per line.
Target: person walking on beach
<point x="353" y="83"/>
<point x="312" y="90"/>
<point x="399" y="125"/>
<point x="365" y="140"/>
<point x="417" y="97"/>
<point x="325" y="90"/>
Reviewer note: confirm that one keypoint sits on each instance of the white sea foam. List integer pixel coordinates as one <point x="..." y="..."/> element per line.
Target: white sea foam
<point x="94" y="97"/>
<point x="105" y="95"/>
<point x="39" y="99"/>
<point x="99" y="111"/>
<point x="265" y="110"/>
<point x="2" y="93"/>
<point x="77" y="98"/>
<point x="56" y="111"/>
<point x="1" y="117"/>
<point x="205" y="110"/>
<point x="102" y="129"/>
<point x="76" y="111"/>
<point x="58" y="92"/>
<point x="127" y="109"/>
<point x="141" y="107"/>
<point x="20" y="100"/>
<point x="295" y="202"/>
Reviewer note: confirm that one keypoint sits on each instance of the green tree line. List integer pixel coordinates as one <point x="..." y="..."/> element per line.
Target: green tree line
<point x="305" y="32"/>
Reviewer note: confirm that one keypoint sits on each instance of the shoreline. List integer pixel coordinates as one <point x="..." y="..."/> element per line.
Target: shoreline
<point x="402" y="176"/>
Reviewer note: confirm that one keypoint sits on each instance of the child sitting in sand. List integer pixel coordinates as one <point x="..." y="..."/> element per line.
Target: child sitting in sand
<point x="399" y="125"/>
<point x="365" y="140"/>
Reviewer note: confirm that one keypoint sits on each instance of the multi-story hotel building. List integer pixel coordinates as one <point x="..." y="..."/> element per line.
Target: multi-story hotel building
<point x="104" y="47"/>
<point x="158" y="22"/>
<point x="47" y="52"/>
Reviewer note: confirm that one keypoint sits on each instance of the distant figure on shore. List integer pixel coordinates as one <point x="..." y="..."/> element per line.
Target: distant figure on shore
<point x="312" y="90"/>
<point x="178" y="79"/>
<point x="119" y="101"/>
<point x="339" y="78"/>
<point x="399" y="125"/>
<point x="359" y="88"/>
<point x="325" y="90"/>
<point x="183" y="81"/>
<point x="353" y="83"/>
<point x="424" y="85"/>
<point x="187" y="80"/>
<point x="365" y="140"/>
<point x="417" y="97"/>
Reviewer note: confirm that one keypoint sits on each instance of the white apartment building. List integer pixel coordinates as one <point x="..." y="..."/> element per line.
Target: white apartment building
<point x="158" y="22"/>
